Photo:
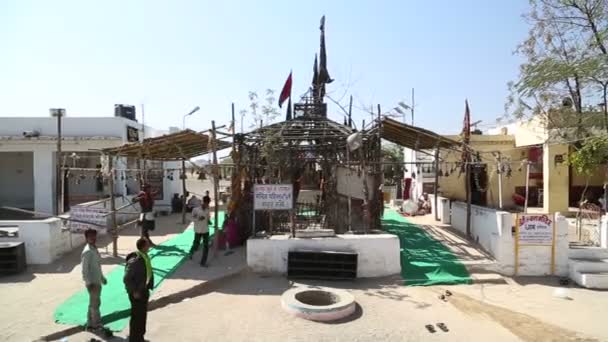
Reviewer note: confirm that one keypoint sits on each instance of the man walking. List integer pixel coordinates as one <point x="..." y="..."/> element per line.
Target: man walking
<point x="139" y="280"/>
<point x="146" y="220"/>
<point x="200" y="219"/>
<point x="93" y="280"/>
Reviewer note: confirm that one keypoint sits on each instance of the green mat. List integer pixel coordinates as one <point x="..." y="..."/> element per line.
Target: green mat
<point x="424" y="260"/>
<point x="115" y="305"/>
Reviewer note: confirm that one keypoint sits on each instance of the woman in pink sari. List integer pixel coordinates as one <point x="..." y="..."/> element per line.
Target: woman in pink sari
<point x="231" y="231"/>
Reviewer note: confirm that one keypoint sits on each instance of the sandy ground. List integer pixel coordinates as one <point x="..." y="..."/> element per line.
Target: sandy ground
<point x="226" y="302"/>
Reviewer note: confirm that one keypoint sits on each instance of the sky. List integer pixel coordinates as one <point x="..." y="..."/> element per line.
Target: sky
<point x="171" y="56"/>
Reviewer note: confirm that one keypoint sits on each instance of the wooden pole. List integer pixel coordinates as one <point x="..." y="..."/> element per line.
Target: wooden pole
<point x="379" y="198"/>
<point x="435" y="206"/>
<point x="468" y="194"/>
<point x="499" y="168"/>
<point x="350" y="112"/>
<point x="527" y="187"/>
<point x="113" y="208"/>
<point x="350" y="199"/>
<point x="58" y="173"/>
<point x="183" y="177"/>
<point x="215" y="178"/>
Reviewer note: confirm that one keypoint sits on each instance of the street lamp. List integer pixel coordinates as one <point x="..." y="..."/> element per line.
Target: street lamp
<point x="191" y="112"/>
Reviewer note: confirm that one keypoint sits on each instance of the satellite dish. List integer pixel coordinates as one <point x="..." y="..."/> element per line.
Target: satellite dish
<point x="354" y="141"/>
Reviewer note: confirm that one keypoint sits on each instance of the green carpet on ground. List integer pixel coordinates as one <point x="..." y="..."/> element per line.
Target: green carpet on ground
<point x="115" y="305"/>
<point x="424" y="260"/>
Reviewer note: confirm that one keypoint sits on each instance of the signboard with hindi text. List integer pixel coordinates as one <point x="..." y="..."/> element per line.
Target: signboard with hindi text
<point x="535" y="229"/>
<point x="97" y="216"/>
<point x="273" y="197"/>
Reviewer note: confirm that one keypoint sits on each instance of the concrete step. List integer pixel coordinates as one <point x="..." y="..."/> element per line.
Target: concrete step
<point x="588" y="253"/>
<point x="588" y="265"/>
<point x="590" y="280"/>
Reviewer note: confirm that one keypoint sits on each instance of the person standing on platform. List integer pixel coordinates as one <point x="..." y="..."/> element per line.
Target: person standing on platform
<point x="93" y="280"/>
<point x="139" y="280"/>
<point x="146" y="218"/>
<point x="201" y="220"/>
<point x="207" y="196"/>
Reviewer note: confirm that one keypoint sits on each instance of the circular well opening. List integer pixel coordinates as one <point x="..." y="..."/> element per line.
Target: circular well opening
<point x="317" y="298"/>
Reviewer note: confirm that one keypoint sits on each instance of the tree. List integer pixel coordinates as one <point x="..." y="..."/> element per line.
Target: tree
<point x="565" y="62"/>
<point x="264" y="113"/>
<point x="393" y="173"/>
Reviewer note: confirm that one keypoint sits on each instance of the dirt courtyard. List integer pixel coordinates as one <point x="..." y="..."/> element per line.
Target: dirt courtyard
<point x="227" y="302"/>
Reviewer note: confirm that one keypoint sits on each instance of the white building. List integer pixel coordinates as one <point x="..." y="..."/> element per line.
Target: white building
<point x="420" y="168"/>
<point x="28" y="147"/>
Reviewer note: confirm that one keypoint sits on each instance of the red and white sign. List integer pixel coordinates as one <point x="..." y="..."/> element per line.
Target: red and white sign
<point x="535" y="229"/>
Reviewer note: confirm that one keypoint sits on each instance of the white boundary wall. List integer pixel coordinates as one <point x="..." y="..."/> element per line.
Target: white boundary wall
<point x="494" y="231"/>
<point x="45" y="240"/>
<point x="378" y="254"/>
<point x="443" y="206"/>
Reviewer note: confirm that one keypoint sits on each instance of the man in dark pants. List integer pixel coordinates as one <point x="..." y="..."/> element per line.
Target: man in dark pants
<point x="139" y="280"/>
<point x="200" y="220"/>
<point x="147" y="221"/>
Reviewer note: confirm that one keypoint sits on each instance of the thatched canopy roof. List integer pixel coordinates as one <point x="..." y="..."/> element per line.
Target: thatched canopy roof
<point x="413" y="137"/>
<point x="181" y="145"/>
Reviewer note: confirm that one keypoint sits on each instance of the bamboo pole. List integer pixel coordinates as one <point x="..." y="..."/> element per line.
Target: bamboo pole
<point x="47" y="215"/>
<point x="113" y="208"/>
<point x="435" y="206"/>
<point x="215" y="178"/>
<point x="468" y="195"/>
<point x="183" y="177"/>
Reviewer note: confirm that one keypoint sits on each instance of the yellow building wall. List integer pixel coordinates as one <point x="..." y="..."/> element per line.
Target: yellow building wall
<point x="453" y="186"/>
<point x="596" y="179"/>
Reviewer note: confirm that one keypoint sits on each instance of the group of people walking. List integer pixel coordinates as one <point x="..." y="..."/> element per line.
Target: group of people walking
<point x="139" y="277"/>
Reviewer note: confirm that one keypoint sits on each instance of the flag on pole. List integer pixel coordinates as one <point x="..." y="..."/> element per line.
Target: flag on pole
<point x="231" y="128"/>
<point x="286" y="92"/>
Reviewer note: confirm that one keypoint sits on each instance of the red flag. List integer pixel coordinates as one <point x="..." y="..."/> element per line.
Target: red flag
<point x="286" y="92"/>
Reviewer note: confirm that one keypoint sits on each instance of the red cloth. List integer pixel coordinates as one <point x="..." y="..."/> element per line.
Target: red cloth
<point x="519" y="199"/>
<point x="286" y="92"/>
<point x="232" y="234"/>
<point x="146" y="201"/>
<point x="406" y="188"/>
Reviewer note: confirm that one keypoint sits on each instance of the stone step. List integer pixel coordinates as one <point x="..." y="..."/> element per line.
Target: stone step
<point x="588" y="265"/>
<point x="590" y="280"/>
<point x="588" y="253"/>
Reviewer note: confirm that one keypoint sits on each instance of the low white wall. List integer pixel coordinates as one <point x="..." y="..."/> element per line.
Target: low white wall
<point x="493" y="230"/>
<point x="45" y="240"/>
<point x="604" y="232"/>
<point x="443" y="208"/>
<point x="378" y="255"/>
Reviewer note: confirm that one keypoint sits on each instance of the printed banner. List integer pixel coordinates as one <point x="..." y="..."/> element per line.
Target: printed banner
<point x="87" y="214"/>
<point x="535" y="229"/>
<point x="273" y="196"/>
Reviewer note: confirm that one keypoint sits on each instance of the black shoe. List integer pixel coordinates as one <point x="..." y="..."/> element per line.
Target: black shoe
<point x="204" y="265"/>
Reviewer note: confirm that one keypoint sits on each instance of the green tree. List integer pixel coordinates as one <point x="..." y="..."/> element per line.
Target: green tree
<point x="564" y="75"/>
<point x="393" y="173"/>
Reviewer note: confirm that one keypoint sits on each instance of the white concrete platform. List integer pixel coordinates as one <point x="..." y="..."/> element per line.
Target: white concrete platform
<point x="378" y="254"/>
<point x="588" y="267"/>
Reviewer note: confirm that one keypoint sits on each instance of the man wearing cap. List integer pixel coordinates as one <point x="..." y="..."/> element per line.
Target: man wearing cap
<point x="146" y="218"/>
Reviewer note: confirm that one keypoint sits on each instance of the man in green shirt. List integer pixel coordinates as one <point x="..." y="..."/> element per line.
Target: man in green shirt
<point x="93" y="279"/>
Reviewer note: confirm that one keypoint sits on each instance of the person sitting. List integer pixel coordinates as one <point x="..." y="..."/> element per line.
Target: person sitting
<point x="424" y="205"/>
<point x="193" y="202"/>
